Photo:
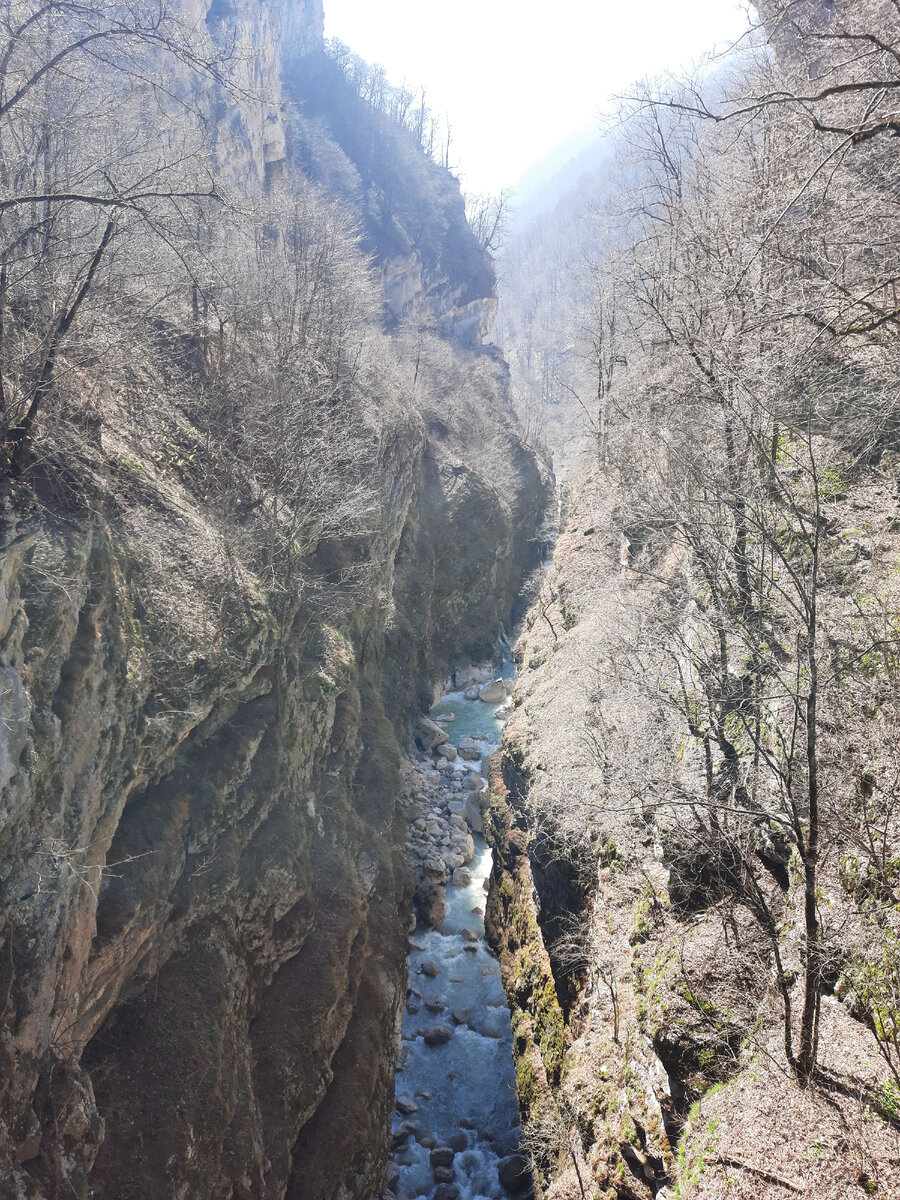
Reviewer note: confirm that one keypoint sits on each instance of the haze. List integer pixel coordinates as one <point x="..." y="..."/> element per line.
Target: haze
<point x="518" y="80"/>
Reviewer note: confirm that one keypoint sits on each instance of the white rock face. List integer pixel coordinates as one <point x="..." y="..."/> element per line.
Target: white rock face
<point x="262" y="36"/>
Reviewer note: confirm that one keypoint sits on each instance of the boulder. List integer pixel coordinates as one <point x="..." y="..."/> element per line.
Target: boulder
<point x="468" y="935"/>
<point x="437" y="1035"/>
<point x="469" y="749"/>
<point x="429" y="734"/>
<point x="460" y="1016"/>
<point x="442" y="1157"/>
<point x="514" y="1173"/>
<point x="446" y="751"/>
<point x="462" y="877"/>
<point x="446" y="1191"/>
<point x="473" y="813"/>
<point x="443" y="1174"/>
<point x="429" y="968"/>
<point x="444" y="718"/>
<point x="492" y="693"/>
<point x="473" y="692"/>
<point x="402" y="1133"/>
<point x="473" y="782"/>
<point x="406" y="1105"/>
<point x="434" y="1004"/>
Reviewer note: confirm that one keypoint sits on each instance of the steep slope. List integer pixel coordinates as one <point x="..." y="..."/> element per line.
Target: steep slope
<point x="206" y="690"/>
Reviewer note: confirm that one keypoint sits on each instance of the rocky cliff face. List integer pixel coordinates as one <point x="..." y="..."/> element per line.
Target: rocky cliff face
<point x="203" y="901"/>
<point x="204" y="904"/>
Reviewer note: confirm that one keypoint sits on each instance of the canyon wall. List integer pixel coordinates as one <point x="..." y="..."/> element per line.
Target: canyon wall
<point x="203" y="898"/>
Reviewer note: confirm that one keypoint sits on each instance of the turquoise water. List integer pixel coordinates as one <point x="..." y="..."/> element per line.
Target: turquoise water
<point x="470" y="717"/>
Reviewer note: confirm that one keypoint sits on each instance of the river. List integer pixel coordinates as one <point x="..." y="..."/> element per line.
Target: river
<point x="456" y="1129"/>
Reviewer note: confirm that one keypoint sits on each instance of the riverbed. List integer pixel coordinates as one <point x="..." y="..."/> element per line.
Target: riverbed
<point x="456" y="1129"/>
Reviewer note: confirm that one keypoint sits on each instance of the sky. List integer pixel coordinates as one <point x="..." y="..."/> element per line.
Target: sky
<point x="517" y="78"/>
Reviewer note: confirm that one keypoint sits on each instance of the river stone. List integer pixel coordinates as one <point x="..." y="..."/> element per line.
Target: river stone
<point x="471" y="947"/>
<point x="447" y="751"/>
<point x="473" y="814"/>
<point x="411" y="1007"/>
<point x="442" y="1157"/>
<point x="406" y="1105"/>
<point x="514" y="1173"/>
<point x="443" y="1174"/>
<point x="453" y="859"/>
<point x="434" y="1004"/>
<point x="444" y="718"/>
<point x="473" y="782"/>
<point x="446" y="1191"/>
<point x="430" y="902"/>
<point x="460" y="1016"/>
<point x="469" y="749"/>
<point x="402" y="1132"/>
<point x="429" y="734"/>
<point x="468" y="935"/>
<point x="437" y="1035"/>
<point x="429" y="968"/>
<point x="473" y="692"/>
<point x="462" y="877"/>
<point x="493" y="693"/>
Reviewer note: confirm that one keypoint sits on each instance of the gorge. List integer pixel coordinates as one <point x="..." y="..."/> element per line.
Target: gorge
<point x="312" y="885"/>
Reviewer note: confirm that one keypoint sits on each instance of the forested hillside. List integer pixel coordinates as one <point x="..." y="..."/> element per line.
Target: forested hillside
<point x="697" y="817"/>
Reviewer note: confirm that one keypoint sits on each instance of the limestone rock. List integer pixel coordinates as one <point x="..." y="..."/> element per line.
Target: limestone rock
<point x="473" y="813"/>
<point x="469" y="749"/>
<point x="493" y="693"/>
<point x="429" y="734"/>
<point x="430" y="901"/>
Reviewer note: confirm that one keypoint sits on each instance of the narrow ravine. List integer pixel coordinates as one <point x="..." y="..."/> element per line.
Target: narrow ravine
<point x="455" y="1132"/>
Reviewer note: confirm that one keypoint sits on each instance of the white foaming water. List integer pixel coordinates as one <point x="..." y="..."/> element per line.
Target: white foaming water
<point x="465" y="1088"/>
